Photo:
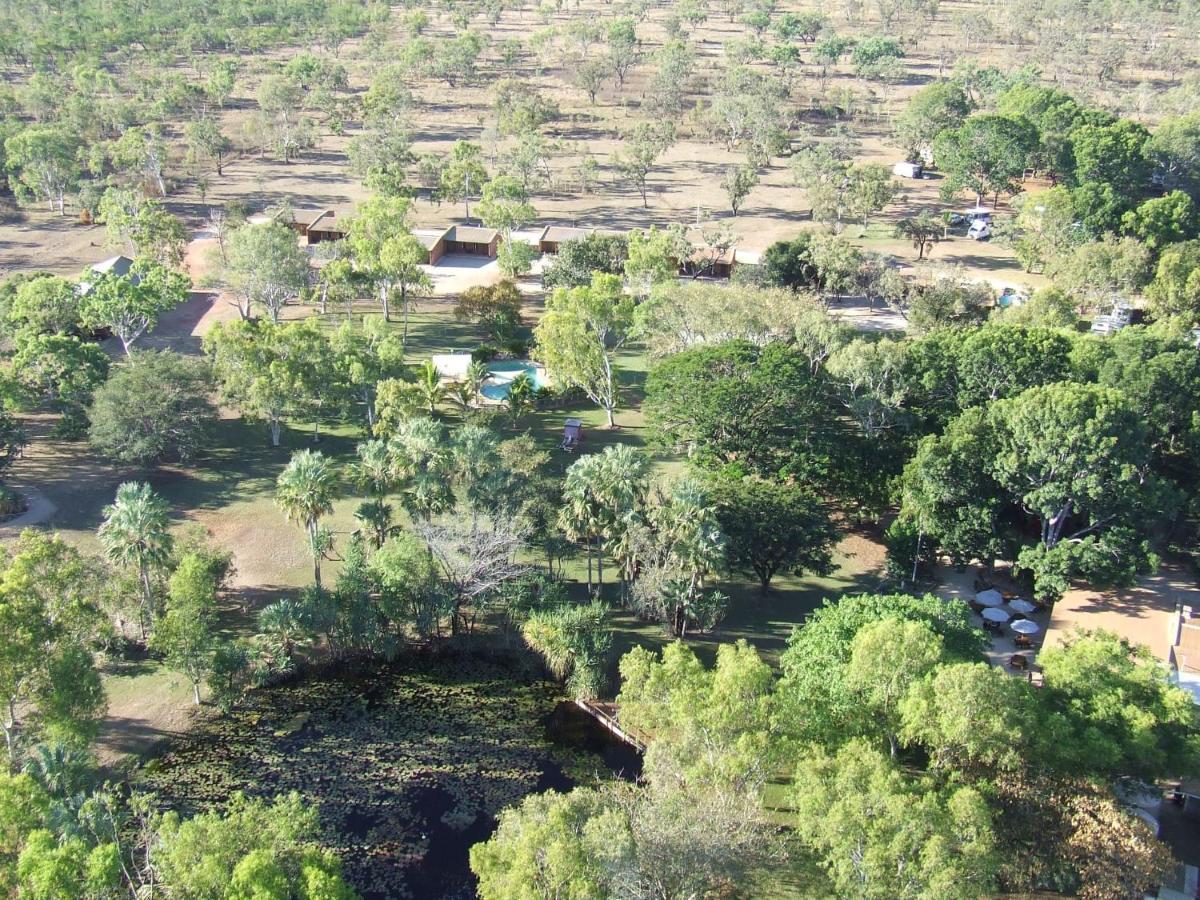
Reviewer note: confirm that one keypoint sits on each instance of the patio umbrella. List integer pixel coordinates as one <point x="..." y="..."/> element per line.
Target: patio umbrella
<point x="1025" y="626"/>
<point x="1021" y="606"/>
<point x="996" y="615"/>
<point x="989" y="598"/>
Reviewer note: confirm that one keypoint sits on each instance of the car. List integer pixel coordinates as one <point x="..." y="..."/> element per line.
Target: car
<point x="980" y="230"/>
<point x="909" y="170"/>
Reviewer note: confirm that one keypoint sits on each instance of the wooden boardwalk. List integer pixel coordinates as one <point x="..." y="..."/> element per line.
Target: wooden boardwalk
<point x="606" y="715"/>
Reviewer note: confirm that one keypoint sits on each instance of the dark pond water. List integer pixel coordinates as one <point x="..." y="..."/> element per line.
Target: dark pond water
<point x="408" y="764"/>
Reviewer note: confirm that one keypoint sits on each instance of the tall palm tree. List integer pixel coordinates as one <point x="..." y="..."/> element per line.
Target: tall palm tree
<point x="305" y="491"/>
<point x="134" y="533"/>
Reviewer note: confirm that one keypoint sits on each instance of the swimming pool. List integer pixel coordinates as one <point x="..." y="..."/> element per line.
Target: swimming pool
<point x="501" y="375"/>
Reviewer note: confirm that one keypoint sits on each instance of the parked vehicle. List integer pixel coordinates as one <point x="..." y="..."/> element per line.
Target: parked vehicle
<point x="969" y="216"/>
<point x="909" y="170"/>
<point x="980" y="230"/>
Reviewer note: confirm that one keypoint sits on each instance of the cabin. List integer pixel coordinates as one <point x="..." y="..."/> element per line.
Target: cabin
<point x="703" y="264"/>
<point x="554" y="235"/>
<point x="119" y="266"/>
<point x="317" y="226"/>
<point x="433" y="243"/>
<point x="467" y="240"/>
<point x="472" y="240"/>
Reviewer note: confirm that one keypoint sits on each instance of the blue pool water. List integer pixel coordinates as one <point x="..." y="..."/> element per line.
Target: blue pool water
<point x="501" y="375"/>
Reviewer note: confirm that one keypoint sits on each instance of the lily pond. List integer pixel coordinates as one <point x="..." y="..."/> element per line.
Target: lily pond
<point x="408" y="762"/>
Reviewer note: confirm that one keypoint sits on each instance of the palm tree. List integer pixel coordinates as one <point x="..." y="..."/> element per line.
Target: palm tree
<point x="375" y="516"/>
<point x="520" y="397"/>
<point x="429" y="384"/>
<point x="134" y="533"/>
<point x="305" y="491"/>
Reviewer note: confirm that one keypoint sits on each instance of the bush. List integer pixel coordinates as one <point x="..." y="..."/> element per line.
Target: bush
<point x="155" y="407"/>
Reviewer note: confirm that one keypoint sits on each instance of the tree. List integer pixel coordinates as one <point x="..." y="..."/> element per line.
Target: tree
<point x="494" y="307"/>
<point x="145" y="226"/>
<point x="184" y="633"/>
<point x="1161" y="221"/>
<point x="1125" y="715"/>
<point x="382" y="156"/>
<point x="42" y="164"/>
<point x="267" y="370"/>
<point x="642" y="148"/>
<point x="265" y="267"/>
<point x="738" y="182"/>
<point x="1112" y="154"/>
<point x="707" y="729"/>
<point x="129" y="305"/>
<point x="923" y="231"/>
<point x="141" y="153"/>
<point x="600" y="492"/>
<point x="365" y="356"/>
<point x="44" y="304"/>
<point x="47" y="675"/>
<point x="206" y="140"/>
<point x="1047" y="227"/>
<point x="788" y="264"/>
<point x="305" y="491"/>
<point x="475" y="563"/>
<point x="984" y="154"/>
<point x="62" y="371"/>
<point x="1175" y="290"/>
<point x="654" y="257"/>
<point x="933" y="109"/>
<point x="947" y="303"/>
<point x="669" y="552"/>
<point x="504" y="205"/>
<point x="574" y="642"/>
<point x="134" y="533"/>
<point x="881" y="834"/>
<point x="749" y="409"/>
<point x="463" y="174"/>
<point x="384" y="249"/>
<point x="1096" y="270"/>
<point x="254" y="848"/>
<point x="579" y="335"/>
<point x="773" y="527"/>
<point x="154" y="407"/>
<point x="1174" y="147"/>
<point x="1090" y="518"/>
<point x="817" y="700"/>
<point x="549" y="845"/>
<point x="974" y="718"/>
<point x="578" y="259"/>
<point x="871" y="189"/>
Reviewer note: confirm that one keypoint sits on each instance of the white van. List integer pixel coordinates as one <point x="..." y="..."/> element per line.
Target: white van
<point x="909" y="170"/>
<point x="980" y="230"/>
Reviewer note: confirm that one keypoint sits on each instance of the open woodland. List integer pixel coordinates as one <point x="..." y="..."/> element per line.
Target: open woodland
<point x="318" y="552"/>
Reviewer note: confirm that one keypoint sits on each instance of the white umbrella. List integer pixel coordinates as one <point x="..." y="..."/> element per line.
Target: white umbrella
<point x="996" y="615"/>
<point x="989" y="598"/>
<point x="1021" y="606"/>
<point x="1025" y="626"/>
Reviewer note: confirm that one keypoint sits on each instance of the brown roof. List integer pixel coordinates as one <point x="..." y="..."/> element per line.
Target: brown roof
<point x="1187" y="651"/>
<point x="559" y="233"/>
<point x="325" y="222"/>
<point x="470" y="234"/>
<point x="429" y="239"/>
<point x="307" y="216"/>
